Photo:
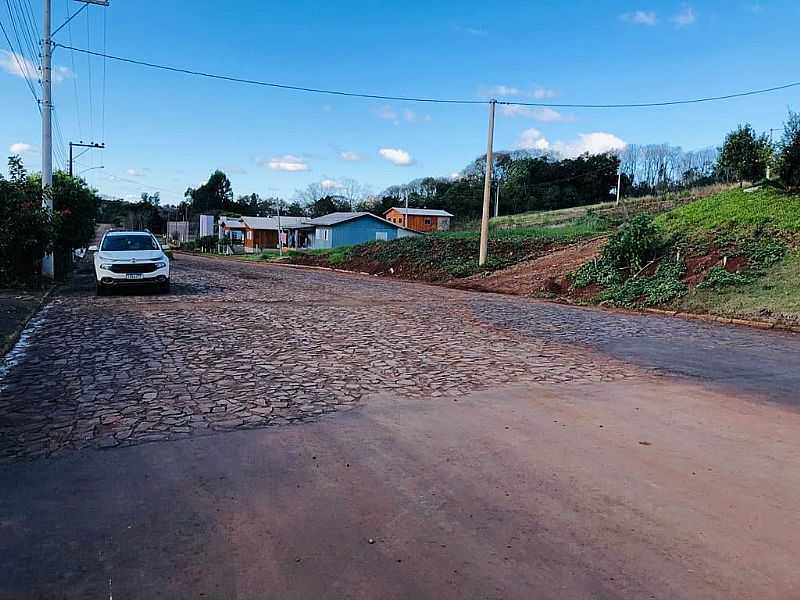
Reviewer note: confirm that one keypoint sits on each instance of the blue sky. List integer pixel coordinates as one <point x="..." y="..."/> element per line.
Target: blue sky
<point x="166" y="131"/>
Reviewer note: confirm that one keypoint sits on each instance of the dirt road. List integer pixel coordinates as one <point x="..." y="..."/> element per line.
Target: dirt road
<point x="274" y="433"/>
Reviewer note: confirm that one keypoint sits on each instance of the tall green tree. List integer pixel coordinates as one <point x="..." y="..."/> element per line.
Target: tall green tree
<point x="789" y="157"/>
<point x="216" y="194"/>
<point x="745" y="154"/>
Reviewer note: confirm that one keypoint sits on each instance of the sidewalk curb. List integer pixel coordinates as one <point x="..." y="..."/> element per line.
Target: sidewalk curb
<point x="7" y="346"/>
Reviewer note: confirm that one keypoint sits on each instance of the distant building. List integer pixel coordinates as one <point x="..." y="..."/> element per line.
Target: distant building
<point x="178" y="231"/>
<point x="206" y="225"/>
<point x="261" y="233"/>
<point x="232" y="228"/>
<point x="347" y="228"/>
<point x="423" y="220"/>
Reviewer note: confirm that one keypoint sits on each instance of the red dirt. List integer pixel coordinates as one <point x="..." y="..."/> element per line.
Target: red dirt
<point x="545" y="274"/>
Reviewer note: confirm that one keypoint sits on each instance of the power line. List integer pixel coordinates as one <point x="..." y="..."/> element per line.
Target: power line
<point x="75" y="72"/>
<point x="424" y="99"/>
<point x="21" y="68"/>
<point x="269" y="84"/>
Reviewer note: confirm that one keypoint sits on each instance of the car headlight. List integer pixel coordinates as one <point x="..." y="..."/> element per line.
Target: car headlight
<point x="106" y="266"/>
<point x="160" y="265"/>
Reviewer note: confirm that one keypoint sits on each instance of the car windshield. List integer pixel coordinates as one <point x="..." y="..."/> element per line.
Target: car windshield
<point x="128" y="243"/>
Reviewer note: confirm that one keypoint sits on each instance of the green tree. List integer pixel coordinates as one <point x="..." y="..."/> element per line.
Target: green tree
<point x="26" y="229"/>
<point x="789" y="157"/>
<point x="745" y="154"/>
<point x="214" y="195"/>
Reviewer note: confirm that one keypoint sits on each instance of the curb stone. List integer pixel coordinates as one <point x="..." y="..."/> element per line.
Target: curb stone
<point x="24" y="323"/>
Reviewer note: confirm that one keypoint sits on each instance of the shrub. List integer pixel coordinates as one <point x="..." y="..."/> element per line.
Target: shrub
<point x="662" y="287"/>
<point x="718" y="278"/>
<point x="27" y="230"/>
<point x="635" y="244"/>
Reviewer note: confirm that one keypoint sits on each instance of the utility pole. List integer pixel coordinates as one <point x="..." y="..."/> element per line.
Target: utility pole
<point x="280" y="240"/>
<point x="405" y="214"/>
<point x="619" y="185"/>
<point x="81" y="145"/>
<point x="48" y="270"/>
<point x="497" y="200"/>
<point x="487" y="189"/>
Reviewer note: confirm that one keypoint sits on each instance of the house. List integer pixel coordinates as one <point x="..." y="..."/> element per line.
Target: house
<point x="347" y="228"/>
<point x="232" y="228"/>
<point x="422" y="220"/>
<point x="261" y="233"/>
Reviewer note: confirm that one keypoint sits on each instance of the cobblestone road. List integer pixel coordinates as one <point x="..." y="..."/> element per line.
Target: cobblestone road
<point x="241" y="345"/>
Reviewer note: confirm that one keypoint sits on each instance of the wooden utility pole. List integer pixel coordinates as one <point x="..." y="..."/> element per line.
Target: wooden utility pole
<point x="487" y="189"/>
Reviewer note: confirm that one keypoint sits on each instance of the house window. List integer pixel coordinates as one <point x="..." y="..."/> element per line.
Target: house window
<point x="324" y="234"/>
<point x="382" y="236"/>
<point x="427" y="221"/>
<point x="249" y="234"/>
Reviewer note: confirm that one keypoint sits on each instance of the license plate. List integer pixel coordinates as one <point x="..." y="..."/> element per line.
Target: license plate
<point x="134" y="276"/>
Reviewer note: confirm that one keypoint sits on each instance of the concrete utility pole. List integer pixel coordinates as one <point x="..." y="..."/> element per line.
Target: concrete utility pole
<point x="81" y="145"/>
<point x="497" y="200"/>
<point x="47" y="129"/>
<point x="487" y="189"/>
<point x="280" y="241"/>
<point x="619" y="184"/>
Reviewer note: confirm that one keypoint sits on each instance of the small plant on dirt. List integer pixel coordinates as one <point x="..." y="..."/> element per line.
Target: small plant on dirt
<point x="719" y="278"/>
<point x="595" y="271"/>
<point x="764" y="252"/>
<point x="664" y="286"/>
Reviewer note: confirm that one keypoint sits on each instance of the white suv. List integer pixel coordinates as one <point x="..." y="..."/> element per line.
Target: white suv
<point x="130" y="257"/>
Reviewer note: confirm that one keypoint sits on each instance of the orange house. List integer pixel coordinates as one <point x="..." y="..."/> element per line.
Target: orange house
<point x="423" y="220"/>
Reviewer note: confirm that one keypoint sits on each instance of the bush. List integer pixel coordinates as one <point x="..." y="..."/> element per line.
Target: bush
<point x="662" y="287"/>
<point x="207" y="243"/>
<point x="27" y="230"/>
<point x="636" y="243"/>
<point x="718" y="278"/>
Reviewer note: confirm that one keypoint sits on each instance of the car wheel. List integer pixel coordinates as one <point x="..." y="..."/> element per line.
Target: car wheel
<point x="164" y="287"/>
<point x="101" y="289"/>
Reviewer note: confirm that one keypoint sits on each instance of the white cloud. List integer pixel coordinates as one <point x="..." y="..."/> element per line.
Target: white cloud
<point x="641" y="17"/>
<point x="546" y="115"/>
<point x="135" y="172"/>
<point x="685" y="18"/>
<point x="19" y="66"/>
<point x="503" y="90"/>
<point x="287" y="162"/>
<point x="471" y="30"/>
<point x="506" y="91"/>
<point x="532" y="139"/>
<point x="349" y="155"/>
<point x="20" y="148"/>
<point x="386" y="112"/>
<point x="455" y="176"/>
<point x="389" y="113"/>
<point x="330" y="184"/>
<point x="592" y="143"/>
<point x="396" y="156"/>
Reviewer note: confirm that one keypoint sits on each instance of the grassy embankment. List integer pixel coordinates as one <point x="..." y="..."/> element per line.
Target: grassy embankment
<point x="732" y="254"/>
<point x="761" y="231"/>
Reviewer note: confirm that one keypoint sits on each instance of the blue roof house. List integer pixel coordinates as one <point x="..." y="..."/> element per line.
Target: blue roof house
<point x="348" y="228"/>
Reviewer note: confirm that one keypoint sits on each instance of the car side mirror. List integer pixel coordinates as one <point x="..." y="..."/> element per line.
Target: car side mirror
<point x="92" y="248"/>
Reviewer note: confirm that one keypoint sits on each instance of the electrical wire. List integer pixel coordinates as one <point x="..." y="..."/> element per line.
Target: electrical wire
<point x="89" y="77"/>
<point x="21" y="68"/>
<point x="423" y="99"/>
<point x="74" y="77"/>
<point x="105" y="61"/>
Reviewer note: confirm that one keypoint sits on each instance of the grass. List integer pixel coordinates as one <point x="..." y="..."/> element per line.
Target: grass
<point x="774" y="295"/>
<point x="584" y="226"/>
<point x="735" y="214"/>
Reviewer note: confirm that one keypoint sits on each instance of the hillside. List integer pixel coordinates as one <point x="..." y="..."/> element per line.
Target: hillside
<point x="734" y="253"/>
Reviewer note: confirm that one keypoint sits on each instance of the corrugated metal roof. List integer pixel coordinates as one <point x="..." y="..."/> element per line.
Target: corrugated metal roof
<point x="271" y="223"/>
<point x="340" y="217"/>
<point x="421" y="212"/>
